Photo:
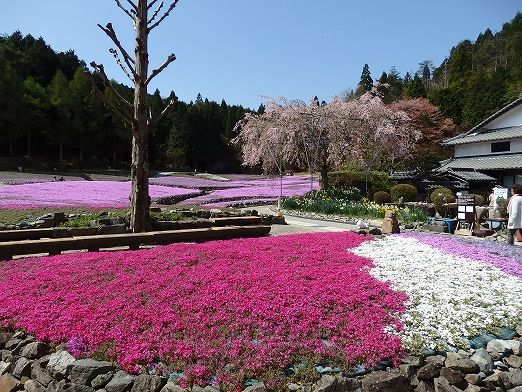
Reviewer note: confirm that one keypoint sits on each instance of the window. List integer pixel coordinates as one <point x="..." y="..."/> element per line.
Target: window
<point x="500" y="146"/>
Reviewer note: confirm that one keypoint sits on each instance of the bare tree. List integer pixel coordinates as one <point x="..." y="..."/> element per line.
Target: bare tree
<point x="136" y="114"/>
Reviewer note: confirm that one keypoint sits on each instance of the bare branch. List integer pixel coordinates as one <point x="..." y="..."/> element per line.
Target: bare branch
<point x="169" y="60"/>
<point x="172" y="6"/>
<point x="167" y="109"/>
<point x="151" y="4"/>
<point x="133" y="6"/>
<point x="114" y="52"/>
<point x="125" y="9"/>
<point x="99" y="69"/>
<point x="107" y="101"/>
<point x="126" y="57"/>
<point x="156" y="13"/>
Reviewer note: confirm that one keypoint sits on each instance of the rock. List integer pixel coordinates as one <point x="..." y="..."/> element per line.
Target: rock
<point x="442" y="385"/>
<point x="83" y="371"/>
<point x="33" y="386"/>
<point x="35" y="350"/>
<point x="454" y="377"/>
<point x="4" y="367"/>
<point x="428" y="372"/>
<point x="504" y="347"/>
<point x="120" y="382"/>
<point x="437" y="360"/>
<point x="260" y="387"/>
<point x="146" y="383"/>
<point x="512" y="378"/>
<point x="415" y="361"/>
<point x="171" y="386"/>
<point x="424" y="387"/>
<point x="381" y="381"/>
<point x="58" y="363"/>
<point x="375" y="231"/>
<point x="22" y="368"/>
<point x="102" y="380"/>
<point x="41" y="375"/>
<point x="390" y="224"/>
<point x="59" y="217"/>
<point x="22" y="344"/>
<point x="475" y="388"/>
<point x="474" y="378"/>
<point x="291" y="387"/>
<point x="500" y="365"/>
<point x="4" y="338"/>
<point x="493" y="380"/>
<point x="483" y="360"/>
<point x="8" y="383"/>
<point x="513" y="361"/>
<point x="407" y="370"/>
<point x="12" y="343"/>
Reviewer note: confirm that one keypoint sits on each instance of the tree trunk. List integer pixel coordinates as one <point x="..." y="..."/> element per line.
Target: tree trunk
<point x="10" y="144"/>
<point x="324" y="177"/>
<point x="61" y="151"/>
<point x="81" y="144"/>
<point x="29" y="143"/>
<point x="140" y="200"/>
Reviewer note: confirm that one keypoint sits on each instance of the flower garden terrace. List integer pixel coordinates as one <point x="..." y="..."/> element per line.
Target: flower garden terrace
<point x="223" y="312"/>
<point x="24" y="190"/>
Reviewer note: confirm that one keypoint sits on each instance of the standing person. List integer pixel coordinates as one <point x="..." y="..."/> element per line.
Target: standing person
<point x="514" y="213"/>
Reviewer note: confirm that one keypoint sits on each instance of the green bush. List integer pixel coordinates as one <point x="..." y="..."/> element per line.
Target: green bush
<point x="407" y="191"/>
<point x="377" y="181"/>
<point x="381" y="197"/>
<point x="479" y="199"/>
<point x="441" y="196"/>
<point x="437" y="192"/>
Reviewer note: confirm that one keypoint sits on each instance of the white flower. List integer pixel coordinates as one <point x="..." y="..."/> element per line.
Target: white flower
<point x="450" y="297"/>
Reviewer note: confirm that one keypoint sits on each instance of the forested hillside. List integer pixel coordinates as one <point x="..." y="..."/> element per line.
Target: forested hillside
<point x="477" y="79"/>
<point x="47" y="109"/>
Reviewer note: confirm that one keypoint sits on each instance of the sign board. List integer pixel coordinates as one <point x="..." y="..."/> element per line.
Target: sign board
<point x="499" y="192"/>
<point x="466" y="209"/>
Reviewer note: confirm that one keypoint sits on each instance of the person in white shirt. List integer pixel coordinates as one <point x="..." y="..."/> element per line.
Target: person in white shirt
<point x="514" y="213"/>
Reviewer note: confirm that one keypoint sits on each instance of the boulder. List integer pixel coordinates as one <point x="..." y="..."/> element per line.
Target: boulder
<point x="41" y="375"/>
<point x="260" y="387"/>
<point x="146" y="383"/>
<point x="102" y="380"/>
<point x="428" y="372"/>
<point x="390" y="224"/>
<point x="8" y="383"/>
<point x="58" y="363"/>
<point x="33" y="386"/>
<point x="483" y="360"/>
<point x="4" y="367"/>
<point x="120" y="382"/>
<point x="443" y="385"/>
<point x="423" y="386"/>
<point x="83" y="371"/>
<point x="22" y="368"/>
<point x="381" y="381"/>
<point x="35" y="350"/>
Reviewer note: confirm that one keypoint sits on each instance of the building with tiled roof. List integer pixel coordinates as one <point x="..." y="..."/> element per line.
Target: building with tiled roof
<point x="493" y="148"/>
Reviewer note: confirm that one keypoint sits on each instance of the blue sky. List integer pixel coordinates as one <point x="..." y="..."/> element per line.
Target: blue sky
<point x="243" y="50"/>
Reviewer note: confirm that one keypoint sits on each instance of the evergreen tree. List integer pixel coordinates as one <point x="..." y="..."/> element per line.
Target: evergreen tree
<point x="366" y="82"/>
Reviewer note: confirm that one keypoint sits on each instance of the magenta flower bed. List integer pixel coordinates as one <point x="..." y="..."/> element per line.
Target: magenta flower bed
<point x="222" y="310"/>
<point x="505" y="257"/>
<point x="103" y="194"/>
<point x="261" y="189"/>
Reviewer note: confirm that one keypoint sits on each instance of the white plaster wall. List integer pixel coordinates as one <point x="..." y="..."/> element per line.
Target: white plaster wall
<point x="484" y="148"/>
<point x="509" y="119"/>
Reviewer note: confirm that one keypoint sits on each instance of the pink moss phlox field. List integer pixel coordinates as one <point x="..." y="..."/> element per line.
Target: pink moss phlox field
<point x="231" y="309"/>
<point x="103" y="194"/>
<point x="506" y="258"/>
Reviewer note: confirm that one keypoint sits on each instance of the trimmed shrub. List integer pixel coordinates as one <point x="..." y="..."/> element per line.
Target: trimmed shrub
<point x="407" y="191"/>
<point x="441" y="196"/>
<point x="377" y="181"/>
<point x="479" y="199"/>
<point x="381" y="197"/>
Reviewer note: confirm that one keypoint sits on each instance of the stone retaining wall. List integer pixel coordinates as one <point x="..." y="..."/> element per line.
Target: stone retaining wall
<point x="33" y="366"/>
